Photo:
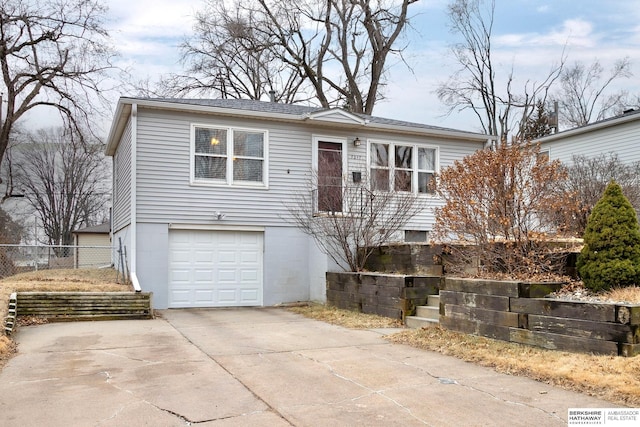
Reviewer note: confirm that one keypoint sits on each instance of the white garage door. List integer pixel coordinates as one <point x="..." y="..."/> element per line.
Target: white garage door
<point x="215" y="268"/>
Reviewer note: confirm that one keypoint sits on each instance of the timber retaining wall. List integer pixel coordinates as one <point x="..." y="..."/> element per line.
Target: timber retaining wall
<point x="390" y="295"/>
<point x="518" y="312"/>
<point x="71" y="306"/>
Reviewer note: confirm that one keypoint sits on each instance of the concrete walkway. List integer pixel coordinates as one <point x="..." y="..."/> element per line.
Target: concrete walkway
<point x="256" y="367"/>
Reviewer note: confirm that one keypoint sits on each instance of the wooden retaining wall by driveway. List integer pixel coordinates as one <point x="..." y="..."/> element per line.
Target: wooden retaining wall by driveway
<point x="72" y="306"/>
<point x="517" y="312"/>
<point x="390" y="295"/>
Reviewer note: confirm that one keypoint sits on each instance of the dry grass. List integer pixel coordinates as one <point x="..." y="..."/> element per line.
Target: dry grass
<point x="64" y="280"/>
<point x="7" y="349"/>
<point x="629" y="294"/>
<point x="348" y="319"/>
<point x="612" y="378"/>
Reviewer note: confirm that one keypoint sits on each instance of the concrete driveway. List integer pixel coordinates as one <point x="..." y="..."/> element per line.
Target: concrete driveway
<point x="256" y="367"/>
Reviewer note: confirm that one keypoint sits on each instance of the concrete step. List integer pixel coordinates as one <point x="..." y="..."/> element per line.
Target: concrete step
<point x="428" y="312"/>
<point x="417" y="322"/>
<point x="433" y="301"/>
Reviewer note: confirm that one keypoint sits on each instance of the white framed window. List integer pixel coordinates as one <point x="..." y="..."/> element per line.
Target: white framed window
<point x="228" y="156"/>
<point x="402" y="167"/>
<point x="543" y="156"/>
<point x="427" y="167"/>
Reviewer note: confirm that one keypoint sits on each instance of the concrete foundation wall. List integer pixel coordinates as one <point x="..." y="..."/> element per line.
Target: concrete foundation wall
<point x="293" y="266"/>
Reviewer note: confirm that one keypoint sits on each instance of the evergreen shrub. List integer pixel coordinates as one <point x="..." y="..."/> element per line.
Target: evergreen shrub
<point x="611" y="253"/>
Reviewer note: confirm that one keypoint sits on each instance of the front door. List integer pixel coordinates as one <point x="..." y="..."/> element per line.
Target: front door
<point x="329" y="177"/>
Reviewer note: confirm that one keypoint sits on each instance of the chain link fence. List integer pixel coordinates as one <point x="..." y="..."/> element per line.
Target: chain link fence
<point x="16" y="259"/>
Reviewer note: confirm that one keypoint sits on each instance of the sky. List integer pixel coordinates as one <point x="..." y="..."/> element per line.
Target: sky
<point x="529" y="37"/>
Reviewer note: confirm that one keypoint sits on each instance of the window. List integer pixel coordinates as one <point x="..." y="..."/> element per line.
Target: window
<point x="402" y="168"/>
<point x="228" y="156"/>
<point x="543" y="156"/>
<point x="426" y="170"/>
<point x="380" y="167"/>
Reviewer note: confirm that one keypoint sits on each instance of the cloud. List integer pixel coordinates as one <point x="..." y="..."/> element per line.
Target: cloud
<point x="573" y="32"/>
<point x="151" y="28"/>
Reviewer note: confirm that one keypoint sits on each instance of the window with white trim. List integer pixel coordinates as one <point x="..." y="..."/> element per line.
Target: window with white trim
<point x="228" y="156"/>
<point x="543" y="156"/>
<point x="401" y="167"/>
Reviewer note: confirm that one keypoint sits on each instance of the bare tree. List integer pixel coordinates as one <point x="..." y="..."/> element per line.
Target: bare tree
<point x="63" y="180"/>
<point x="583" y="96"/>
<point x="232" y="57"/>
<point x="588" y="177"/>
<point x="52" y="54"/>
<point x="334" y="52"/>
<point x="348" y="221"/>
<point x="476" y="86"/>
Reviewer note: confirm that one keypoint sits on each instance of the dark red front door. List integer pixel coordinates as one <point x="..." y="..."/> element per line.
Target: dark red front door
<point x="329" y="177"/>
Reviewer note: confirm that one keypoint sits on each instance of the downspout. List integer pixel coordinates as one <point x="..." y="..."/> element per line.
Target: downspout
<point x="134" y="217"/>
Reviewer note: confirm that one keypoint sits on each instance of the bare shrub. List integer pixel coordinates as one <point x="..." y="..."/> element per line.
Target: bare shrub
<point x="348" y="221"/>
<point x="497" y="209"/>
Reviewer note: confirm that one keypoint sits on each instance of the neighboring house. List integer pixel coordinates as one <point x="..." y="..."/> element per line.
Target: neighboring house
<point x="93" y="246"/>
<point x="200" y="187"/>
<point x="620" y="135"/>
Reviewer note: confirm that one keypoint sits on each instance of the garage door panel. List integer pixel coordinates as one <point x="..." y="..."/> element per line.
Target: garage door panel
<point x="215" y="268"/>
<point x="249" y="276"/>
<point x="228" y="295"/>
<point x="180" y="276"/>
<point x="182" y="255"/>
<point x="202" y="238"/>
<point x="178" y="239"/>
<point x="251" y="239"/>
<point x="180" y="296"/>
<point x="203" y="256"/>
<point x="227" y="256"/>
<point x="249" y="257"/>
<point x="248" y="296"/>
<point x="203" y="277"/>
<point x="228" y="276"/>
<point x="203" y="296"/>
<point x="227" y="238"/>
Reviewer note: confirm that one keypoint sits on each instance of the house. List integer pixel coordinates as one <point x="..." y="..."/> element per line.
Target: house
<point x="200" y="186"/>
<point x="620" y="135"/>
<point x="92" y="246"/>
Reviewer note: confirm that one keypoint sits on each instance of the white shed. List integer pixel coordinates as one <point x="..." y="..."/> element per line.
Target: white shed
<point x="93" y="246"/>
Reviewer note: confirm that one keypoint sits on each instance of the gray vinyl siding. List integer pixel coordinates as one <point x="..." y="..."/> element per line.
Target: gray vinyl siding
<point x="122" y="181"/>
<point x="164" y="193"/>
<point x="622" y="139"/>
<point x="163" y="174"/>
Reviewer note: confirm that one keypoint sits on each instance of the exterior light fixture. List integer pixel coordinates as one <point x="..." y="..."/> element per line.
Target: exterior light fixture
<point x="357" y="142"/>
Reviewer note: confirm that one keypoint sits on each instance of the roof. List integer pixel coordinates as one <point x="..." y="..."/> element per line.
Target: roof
<point x="626" y="117"/>
<point x="279" y="112"/>
<point x="104" y="228"/>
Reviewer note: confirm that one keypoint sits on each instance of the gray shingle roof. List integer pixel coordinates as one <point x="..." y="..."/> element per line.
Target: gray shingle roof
<point x="102" y="228"/>
<point x="292" y="109"/>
